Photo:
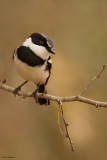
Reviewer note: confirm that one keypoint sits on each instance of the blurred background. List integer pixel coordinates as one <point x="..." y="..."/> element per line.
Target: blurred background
<point x="79" y="30"/>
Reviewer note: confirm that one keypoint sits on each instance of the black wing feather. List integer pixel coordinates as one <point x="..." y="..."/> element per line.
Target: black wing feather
<point x="26" y="55"/>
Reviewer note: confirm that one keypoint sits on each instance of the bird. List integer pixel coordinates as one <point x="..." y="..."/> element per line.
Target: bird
<point x="33" y="63"/>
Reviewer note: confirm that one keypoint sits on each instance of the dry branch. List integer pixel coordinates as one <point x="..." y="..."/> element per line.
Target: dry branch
<point x="55" y="98"/>
<point x="93" y="80"/>
<point x="66" y="126"/>
<point x="60" y="100"/>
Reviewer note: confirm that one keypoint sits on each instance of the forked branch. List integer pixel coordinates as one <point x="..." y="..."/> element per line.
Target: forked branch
<point x="60" y="100"/>
<point x="54" y="98"/>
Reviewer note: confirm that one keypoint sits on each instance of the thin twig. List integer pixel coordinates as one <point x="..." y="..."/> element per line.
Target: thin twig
<point x="66" y="127"/>
<point x="59" y="114"/>
<point x="93" y="80"/>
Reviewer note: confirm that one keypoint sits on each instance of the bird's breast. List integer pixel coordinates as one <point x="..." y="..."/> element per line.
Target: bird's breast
<point x="37" y="74"/>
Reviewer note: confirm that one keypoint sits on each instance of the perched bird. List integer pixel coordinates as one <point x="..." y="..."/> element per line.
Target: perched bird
<point x="33" y="63"/>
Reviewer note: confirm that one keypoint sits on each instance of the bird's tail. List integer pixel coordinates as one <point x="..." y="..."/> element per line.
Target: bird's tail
<point x="42" y="101"/>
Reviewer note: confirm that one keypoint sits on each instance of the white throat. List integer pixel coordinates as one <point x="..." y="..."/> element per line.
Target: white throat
<point x="38" y="50"/>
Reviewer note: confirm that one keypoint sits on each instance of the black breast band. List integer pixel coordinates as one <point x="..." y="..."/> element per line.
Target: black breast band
<point x="26" y="55"/>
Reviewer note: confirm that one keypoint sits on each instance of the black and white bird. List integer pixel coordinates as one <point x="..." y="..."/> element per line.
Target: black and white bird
<point x="33" y="62"/>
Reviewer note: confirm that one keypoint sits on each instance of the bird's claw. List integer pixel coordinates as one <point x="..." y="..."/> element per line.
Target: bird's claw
<point x="16" y="90"/>
<point x="45" y="92"/>
<point x="34" y="94"/>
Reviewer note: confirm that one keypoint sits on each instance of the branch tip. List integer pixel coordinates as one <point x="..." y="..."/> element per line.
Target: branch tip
<point x="3" y="81"/>
<point x="92" y="80"/>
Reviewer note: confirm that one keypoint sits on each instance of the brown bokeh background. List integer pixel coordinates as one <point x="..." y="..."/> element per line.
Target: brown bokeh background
<point x="79" y="30"/>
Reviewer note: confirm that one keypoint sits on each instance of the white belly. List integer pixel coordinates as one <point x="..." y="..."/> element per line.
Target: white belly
<point x="34" y="74"/>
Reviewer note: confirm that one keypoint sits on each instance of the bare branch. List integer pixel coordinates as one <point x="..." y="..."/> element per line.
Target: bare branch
<point x="59" y="114"/>
<point x="93" y="80"/>
<point x="66" y="126"/>
<point x="79" y="98"/>
<point x="55" y="98"/>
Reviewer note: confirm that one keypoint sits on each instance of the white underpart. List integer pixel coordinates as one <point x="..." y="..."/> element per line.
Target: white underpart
<point x="41" y="51"/>
<point x="36" y="74"/>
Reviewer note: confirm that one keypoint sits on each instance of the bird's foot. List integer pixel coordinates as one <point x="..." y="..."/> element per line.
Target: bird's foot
<point x="16" y="90"/>
<point x="34" y="94"/>
<point x="45" y="92"/>
<point x="48" y="101"/>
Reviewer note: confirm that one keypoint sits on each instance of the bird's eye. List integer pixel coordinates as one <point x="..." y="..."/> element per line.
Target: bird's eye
<point x="41" y="42"/>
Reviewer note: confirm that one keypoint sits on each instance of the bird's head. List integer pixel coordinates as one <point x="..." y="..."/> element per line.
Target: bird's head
<point x="43" y="40"/>
<point x="40" y="44"/>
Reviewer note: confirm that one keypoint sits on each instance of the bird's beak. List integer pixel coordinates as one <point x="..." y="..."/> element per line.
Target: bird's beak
<point x="50" y="47"/>
<point x="51" y="50"/>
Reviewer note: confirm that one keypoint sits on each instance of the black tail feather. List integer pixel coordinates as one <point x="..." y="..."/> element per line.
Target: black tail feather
<point x="42" y="101"/>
